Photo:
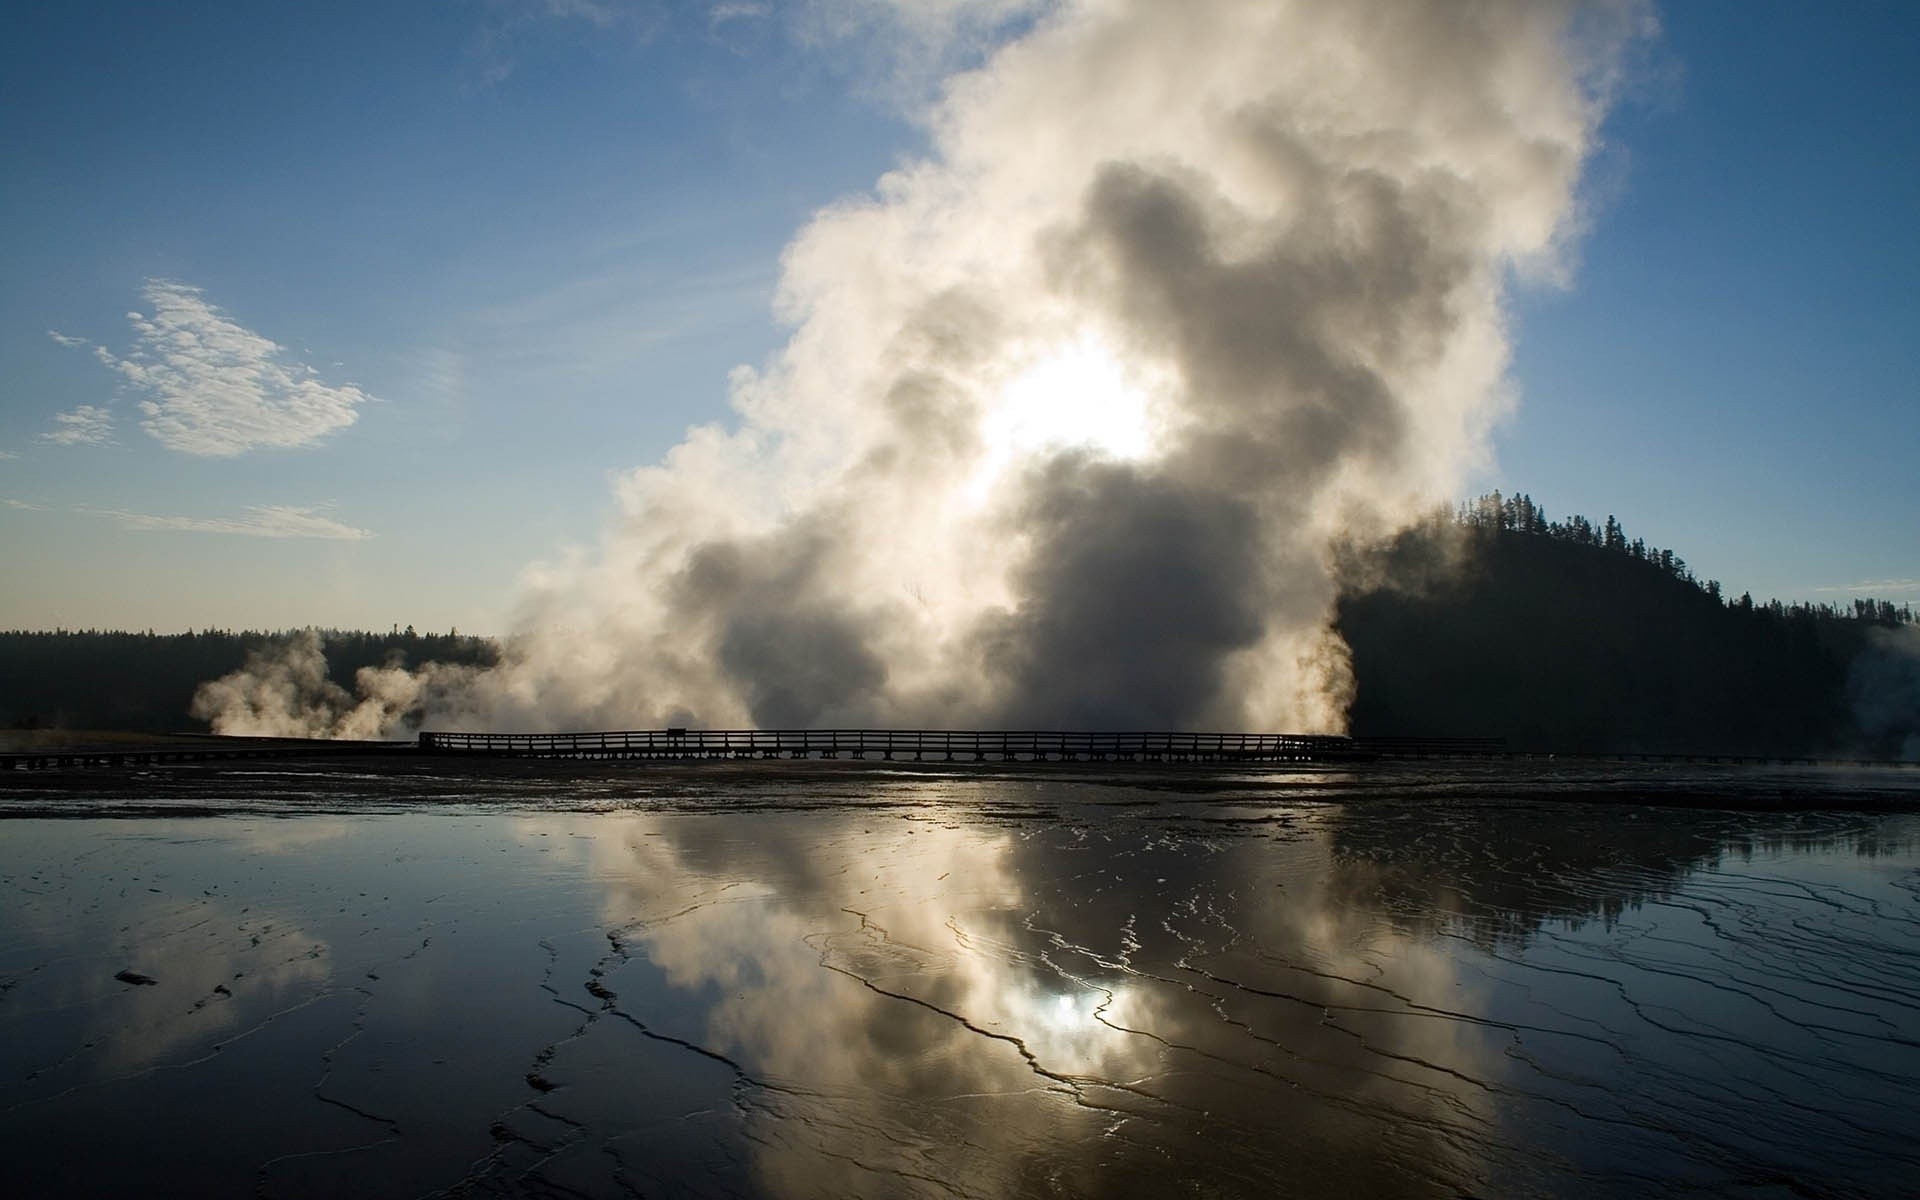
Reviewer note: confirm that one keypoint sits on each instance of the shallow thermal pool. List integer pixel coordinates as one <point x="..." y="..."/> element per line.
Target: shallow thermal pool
<point x="877" y="982"/>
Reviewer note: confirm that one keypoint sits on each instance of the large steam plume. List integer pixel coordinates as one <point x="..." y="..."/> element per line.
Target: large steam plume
<point x="1073" y="408"/>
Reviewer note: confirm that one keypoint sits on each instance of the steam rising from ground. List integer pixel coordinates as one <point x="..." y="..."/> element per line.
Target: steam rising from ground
<point x="1073" y="408"/>
<point x="284" y="691"/>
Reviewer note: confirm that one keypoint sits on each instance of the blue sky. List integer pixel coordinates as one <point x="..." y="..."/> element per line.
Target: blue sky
<point x="504" y="250"/>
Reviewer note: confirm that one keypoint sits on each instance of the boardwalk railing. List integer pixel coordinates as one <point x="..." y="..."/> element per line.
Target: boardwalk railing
<point x="64" y="758"/>
<point x="919" y="744"/>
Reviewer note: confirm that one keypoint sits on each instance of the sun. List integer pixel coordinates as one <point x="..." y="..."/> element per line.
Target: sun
<point x="1075" y="395"/>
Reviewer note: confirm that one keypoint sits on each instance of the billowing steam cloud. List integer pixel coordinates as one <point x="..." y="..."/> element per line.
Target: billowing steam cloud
<point x="284" y="690"/>
<point x="1072" y="409"/>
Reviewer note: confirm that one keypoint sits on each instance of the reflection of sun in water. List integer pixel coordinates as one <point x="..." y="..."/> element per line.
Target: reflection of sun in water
<point x="1077" y="395"/>
<point x="1073" y="1011"/>
<point x="1079" y="1031"/>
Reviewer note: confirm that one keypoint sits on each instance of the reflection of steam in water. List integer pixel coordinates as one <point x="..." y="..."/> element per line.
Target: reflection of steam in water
<point x="1394" y="1000"/>
<point x="1008" y="987"/>
<point x="1045" y="1011"/>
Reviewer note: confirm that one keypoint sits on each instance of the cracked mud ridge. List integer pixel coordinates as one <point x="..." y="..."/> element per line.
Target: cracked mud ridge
<point x="893" y="983"/>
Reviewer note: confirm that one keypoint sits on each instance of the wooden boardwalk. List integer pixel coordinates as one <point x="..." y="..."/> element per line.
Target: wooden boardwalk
<point x="917" y="745"/>
<point x="1024" y="745"/>
<point x="68" y="758"/>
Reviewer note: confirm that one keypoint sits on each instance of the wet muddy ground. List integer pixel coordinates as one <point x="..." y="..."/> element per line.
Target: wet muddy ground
<point x="843" y="979"/>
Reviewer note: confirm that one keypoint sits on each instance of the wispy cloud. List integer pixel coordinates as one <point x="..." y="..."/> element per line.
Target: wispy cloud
<point x="214" y="388"/>
<point x="737" y="10"/>
<point x="1875" y="587"/>
<point x="597" y="322"/>
<point x="265" y="520"/>
<point x="603" y="13"/>
<point x="22" y="505"/>
<point x="87" y="425"/>
<point x="914" y="44"/>
<point x="498" y="43"/>
<point x="7" y="454"/>
<point x="64" y="340"/>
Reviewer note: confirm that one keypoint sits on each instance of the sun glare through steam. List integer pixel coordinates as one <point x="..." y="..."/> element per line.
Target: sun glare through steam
<point x="1079" y="395"/>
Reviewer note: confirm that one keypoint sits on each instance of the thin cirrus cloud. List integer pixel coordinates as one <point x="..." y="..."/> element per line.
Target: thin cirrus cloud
<point x="265" y="520"/>
<point x="211" y="387"/>
<point x="1873" y="587"/>
<point x="737" y="10"/>
<point x="497" y="43"/>
<point x="87" y="425"/>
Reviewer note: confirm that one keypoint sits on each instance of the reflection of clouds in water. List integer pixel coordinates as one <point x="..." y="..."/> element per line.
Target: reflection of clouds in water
<point x="289" y="835"/>
<point x="216" y="968"/>
<point x="262" y="961"/>
<point x="1003" y="1008"/>
<point x="218" y="964"/>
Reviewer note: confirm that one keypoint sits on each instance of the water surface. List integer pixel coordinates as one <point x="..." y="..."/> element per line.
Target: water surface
<point x="888" y="983"/>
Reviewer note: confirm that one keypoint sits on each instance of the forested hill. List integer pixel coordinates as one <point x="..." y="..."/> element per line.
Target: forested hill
<point x="1567" y="636"/>
<point x="144" y="682"/>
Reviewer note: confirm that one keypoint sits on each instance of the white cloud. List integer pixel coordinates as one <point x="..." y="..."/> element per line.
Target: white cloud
<point x="22" y="505"/>
<point x="214" y="388"/>
<point x="87" y="425"/>
<point x="261" y="520"/>
<point x="7" y="454"/>
<point x="64" y="340"/>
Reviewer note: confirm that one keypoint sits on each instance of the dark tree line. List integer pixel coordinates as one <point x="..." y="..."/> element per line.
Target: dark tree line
<point x="1518" y="514"/>
<point x="144" y="682"/>
<point x="1567" y="635"/>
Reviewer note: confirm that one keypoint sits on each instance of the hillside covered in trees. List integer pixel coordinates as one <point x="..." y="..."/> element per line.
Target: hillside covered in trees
<point x="1569" y="636"/>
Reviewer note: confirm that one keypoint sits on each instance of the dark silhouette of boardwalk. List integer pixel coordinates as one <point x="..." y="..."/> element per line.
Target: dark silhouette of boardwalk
<point x="939" y="745"/>
<point x="918" y="745"/>
<point x="208" y="749"/>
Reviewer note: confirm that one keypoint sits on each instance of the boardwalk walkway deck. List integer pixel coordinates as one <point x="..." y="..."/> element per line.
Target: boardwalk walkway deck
<point x="920" y="745"/>
<point x="916" y="745"/>
<point x="67" y="758"/>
